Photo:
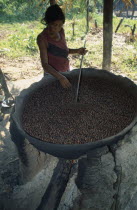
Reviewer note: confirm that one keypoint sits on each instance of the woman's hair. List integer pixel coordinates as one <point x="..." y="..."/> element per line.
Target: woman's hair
<point x="53" y="13"/>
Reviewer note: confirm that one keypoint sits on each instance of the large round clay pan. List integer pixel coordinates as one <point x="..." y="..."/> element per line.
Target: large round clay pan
<point x="51" y="119"/>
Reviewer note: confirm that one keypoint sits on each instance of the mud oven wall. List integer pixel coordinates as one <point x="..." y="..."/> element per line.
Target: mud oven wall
<point x="103" y="178"/>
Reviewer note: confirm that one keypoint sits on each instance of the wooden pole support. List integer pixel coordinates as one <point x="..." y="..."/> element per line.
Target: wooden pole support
<point x="4" y="85"/>
<point x="120" y="22"/>
<point x="107" y="33"/>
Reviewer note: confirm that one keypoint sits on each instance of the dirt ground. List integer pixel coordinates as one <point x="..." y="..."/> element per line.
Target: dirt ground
<point x="21" y="72"/>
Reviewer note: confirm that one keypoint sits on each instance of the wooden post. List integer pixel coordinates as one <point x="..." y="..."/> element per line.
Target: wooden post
<point x="133" y="11"/>
<point x="96" y="24"/>
<point x="4" y="85"/>
<point x="87" y="16"/>
<point x="120" y="22"/>
<point x="73" y="28"/>
<point x="51" y="198"/>
<point x="107" y="33"/>
<point x="133" y="29"/>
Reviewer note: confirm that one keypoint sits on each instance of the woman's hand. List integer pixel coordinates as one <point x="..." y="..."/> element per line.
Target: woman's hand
<point x="82" y="51"/>
<point x="64" y="82"/>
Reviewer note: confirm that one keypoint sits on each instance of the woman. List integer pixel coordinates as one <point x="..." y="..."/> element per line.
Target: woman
<point x="52" y="45"/>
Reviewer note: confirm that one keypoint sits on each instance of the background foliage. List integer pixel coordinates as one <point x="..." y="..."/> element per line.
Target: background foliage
<point x="20" y="25"/>
<point x="32" y="9"/>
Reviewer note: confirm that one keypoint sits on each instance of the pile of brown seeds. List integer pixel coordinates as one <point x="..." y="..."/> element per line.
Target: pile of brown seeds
<point x="103" y="110"/>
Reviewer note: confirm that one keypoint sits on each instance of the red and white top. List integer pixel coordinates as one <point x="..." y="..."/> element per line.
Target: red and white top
<point x="57" y="51"/>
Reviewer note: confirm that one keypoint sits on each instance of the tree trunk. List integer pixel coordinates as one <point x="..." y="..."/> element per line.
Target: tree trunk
<point x="133" y="11"/>
<point x="127" y="12"/>
<point x="107" y="33"/>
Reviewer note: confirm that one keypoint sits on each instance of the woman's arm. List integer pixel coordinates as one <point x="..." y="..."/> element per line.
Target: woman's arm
<point x="42" y="44"/>
<point x="81" y="51"/>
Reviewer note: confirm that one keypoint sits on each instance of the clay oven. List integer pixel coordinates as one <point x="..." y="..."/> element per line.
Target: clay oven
<point x="48" y="116"/>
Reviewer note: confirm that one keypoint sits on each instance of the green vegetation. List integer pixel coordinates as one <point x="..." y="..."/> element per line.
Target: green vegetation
<point x="21" y="10"/>
<point x="19" y="32"/>
<point x="19" y="39"/>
